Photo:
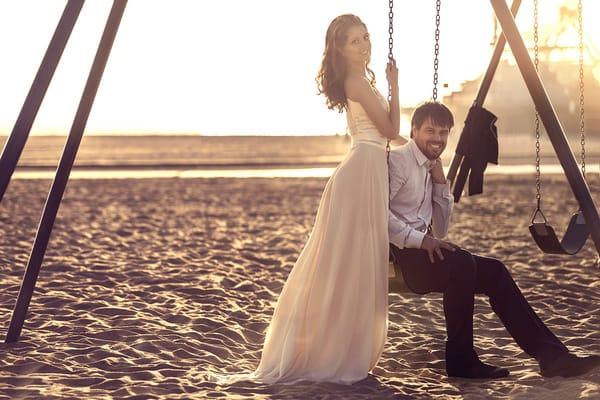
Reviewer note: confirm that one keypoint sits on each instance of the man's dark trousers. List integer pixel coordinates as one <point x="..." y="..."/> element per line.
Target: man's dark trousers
<point x="459" y="277"/>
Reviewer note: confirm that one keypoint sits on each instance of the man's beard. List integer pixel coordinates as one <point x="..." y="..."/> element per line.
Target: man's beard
<point x="433" y="154"/>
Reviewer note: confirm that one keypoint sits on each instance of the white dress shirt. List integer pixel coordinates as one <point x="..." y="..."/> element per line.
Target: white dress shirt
<point x="416" y="201"/>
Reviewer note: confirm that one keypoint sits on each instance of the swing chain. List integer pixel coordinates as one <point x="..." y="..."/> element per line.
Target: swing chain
<point x="538" y="183"/>
<point x="391" y="29"/>
<point x="390" y="58"/>
<point x="581" y="88"/>
<point x="390" y="41"/>
<point x="436" y="49"/>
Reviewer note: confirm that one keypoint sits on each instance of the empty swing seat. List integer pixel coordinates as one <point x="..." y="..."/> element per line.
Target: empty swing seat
<point x="572" y="241"/>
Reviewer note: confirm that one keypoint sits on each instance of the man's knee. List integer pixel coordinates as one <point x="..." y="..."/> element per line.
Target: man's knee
<point x="461" y="257"/>
<point x="496" y="269"/>
<point x="462" y="266"/>
<point x="492" y="275"/>
<point x="500" y="267"/>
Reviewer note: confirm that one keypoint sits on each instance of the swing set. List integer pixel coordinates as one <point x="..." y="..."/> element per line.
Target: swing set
<point x="584" y="223"/>
<point x="577" y="231"/>
<point x="473" y="142"/>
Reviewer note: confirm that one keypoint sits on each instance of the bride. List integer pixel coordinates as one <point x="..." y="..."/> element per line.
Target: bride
<point x="330" y="321"/>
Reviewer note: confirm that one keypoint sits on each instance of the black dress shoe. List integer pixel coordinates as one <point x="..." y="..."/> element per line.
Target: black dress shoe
<point x="478" y="370"/>
<point x="568" y="365"/>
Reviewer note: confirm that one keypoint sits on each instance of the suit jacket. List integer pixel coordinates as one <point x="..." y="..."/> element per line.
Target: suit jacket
<point x="478" y="144"/>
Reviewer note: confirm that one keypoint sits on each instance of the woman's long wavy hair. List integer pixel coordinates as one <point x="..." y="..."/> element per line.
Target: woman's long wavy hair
<point x="331" y="76"/>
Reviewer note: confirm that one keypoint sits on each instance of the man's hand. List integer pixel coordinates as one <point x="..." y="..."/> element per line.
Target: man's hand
<point x="437" y="172"/>
<point x="434" y="246"/>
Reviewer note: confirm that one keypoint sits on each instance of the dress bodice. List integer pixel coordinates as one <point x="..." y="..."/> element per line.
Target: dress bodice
<point x="361" y="127"/>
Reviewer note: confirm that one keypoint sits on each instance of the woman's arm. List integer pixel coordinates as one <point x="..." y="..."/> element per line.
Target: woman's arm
<point x="387" y="123"/>
<point x="391" y="72"/>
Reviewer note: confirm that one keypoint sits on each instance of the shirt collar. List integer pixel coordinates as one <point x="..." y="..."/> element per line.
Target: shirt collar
<point x="421" y="158"/>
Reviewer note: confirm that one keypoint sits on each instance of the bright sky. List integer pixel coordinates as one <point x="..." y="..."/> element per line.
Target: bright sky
<point x="232" y="67"/>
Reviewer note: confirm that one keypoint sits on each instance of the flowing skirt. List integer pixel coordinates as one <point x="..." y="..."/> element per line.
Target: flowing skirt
<point x="330" y="321"/>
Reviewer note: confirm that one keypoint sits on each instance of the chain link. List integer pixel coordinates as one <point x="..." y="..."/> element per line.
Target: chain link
<point x="538" y="182"/>
<point x="390" y="58"/>
<point x="436" y="50"/>
<point x="581" y="88"/>
<point x="390" y="41"/>
<point x="538" y="185"/>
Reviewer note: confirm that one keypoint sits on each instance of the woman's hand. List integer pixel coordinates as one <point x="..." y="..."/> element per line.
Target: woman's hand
<point x="391" y="73"/>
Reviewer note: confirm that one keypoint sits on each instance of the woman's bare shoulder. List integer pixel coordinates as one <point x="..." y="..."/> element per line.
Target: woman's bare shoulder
<point x="357" y="88"/>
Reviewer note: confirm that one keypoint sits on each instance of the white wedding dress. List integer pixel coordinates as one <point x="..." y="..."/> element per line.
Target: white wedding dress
<point x="330" y="321"/>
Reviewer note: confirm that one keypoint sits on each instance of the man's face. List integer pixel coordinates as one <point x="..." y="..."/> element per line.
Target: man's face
<point x="431" y="138"/>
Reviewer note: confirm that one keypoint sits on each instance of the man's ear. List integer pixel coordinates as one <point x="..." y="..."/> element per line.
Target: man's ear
<point x="412" y="132"/>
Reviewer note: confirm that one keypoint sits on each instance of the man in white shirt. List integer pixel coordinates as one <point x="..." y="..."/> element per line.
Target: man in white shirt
<point x="420" y="209"/>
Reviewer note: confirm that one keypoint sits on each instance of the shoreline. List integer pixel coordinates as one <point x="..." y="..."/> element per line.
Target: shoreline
<point x="273" y="170"/>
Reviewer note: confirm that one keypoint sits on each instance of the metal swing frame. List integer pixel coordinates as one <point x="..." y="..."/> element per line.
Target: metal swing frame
<point x="20" y="133"/>
<point x="587" y="219"/>
<point x="16" y="142"/>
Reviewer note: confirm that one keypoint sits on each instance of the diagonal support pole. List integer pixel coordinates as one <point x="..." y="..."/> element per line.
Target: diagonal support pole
<point x="18" y="137"/>
<point x="549" y="119"/>
<point x="63" y="171"/>
<point x="484" y="87"/>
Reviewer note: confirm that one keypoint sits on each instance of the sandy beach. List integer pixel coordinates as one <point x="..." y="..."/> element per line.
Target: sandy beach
<point x="148" y="285"/>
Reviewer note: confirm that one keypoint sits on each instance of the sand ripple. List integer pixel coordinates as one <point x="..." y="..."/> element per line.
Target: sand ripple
<point x="148" y="285"/>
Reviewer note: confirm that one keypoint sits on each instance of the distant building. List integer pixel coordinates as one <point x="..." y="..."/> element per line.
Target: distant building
<point x="509" y="99"/>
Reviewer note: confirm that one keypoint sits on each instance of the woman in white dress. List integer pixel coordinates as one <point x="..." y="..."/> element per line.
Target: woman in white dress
<point x="330" y="321"/>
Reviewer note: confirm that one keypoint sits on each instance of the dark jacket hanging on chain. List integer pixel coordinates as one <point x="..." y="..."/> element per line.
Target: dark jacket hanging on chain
<point x="478" y="144"/>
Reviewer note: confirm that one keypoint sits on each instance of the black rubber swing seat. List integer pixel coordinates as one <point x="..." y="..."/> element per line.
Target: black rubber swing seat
<point x="573" y="240"/>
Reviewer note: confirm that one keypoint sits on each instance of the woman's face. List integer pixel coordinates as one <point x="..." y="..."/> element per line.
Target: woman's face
<point x="358" y="45"/>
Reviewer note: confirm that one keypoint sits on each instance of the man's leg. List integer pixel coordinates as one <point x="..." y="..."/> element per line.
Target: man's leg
<point x="459" y="276"/>
<point x="530" y="333"/>
<point x="507" y="301"/>
<point x="455" y="277"/>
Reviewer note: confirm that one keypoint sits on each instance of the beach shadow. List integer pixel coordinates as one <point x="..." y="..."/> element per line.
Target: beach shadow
<point x="369" y="388"/>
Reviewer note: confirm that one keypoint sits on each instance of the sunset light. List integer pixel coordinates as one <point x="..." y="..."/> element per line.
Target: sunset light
<point x="236" y="67"/>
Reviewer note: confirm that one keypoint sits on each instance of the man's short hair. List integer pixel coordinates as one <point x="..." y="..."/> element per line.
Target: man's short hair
<point x="439" y="114"/>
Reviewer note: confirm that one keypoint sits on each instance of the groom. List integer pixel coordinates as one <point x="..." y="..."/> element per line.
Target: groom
<point x="420" y="208"/>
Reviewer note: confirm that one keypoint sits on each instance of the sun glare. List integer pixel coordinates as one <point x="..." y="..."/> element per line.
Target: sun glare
<point x="195" y="67"/>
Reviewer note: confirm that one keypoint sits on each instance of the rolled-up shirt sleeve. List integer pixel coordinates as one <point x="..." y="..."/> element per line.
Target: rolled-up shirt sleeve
<point x="442" y="209"/>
